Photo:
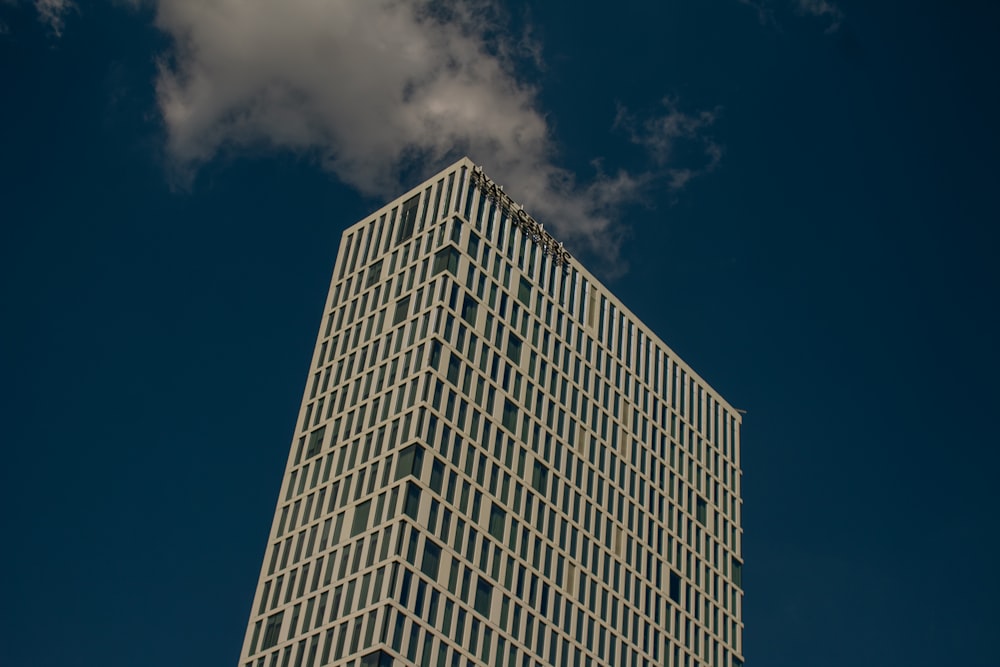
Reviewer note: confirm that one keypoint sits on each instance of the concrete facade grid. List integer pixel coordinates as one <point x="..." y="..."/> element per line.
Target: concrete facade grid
<point x="577" y="494"/>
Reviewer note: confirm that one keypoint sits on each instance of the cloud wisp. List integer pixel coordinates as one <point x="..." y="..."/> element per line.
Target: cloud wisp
<point x="676" y="131"/>
<point x="765" y="13"/>
<point x="53" y="14"/>
<point x="824" y="9"/>
<point x="374" y="90"/>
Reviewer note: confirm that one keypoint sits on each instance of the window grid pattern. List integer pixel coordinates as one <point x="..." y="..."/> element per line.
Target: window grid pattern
<point x="571" y="465"/>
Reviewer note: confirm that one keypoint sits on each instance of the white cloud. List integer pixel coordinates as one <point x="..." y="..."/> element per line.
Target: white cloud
<point x="369" y="88"/>
<point x="372" y="89"/>
<point x="53" y="14"/>
<point x="378" y="89"/>
<point x="823" y="9"/>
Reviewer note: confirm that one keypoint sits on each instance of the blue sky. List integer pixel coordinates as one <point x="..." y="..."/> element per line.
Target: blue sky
<point x="797" y="195"/>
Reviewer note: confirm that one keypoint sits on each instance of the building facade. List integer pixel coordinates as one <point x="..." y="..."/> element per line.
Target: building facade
<point x="496" y="463"/>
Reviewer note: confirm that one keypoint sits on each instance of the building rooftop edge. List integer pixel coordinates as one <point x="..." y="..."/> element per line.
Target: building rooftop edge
<point x="565" y="256"/>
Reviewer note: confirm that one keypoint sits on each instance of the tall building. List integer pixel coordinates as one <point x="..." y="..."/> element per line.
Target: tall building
<point x="496" y="463"/>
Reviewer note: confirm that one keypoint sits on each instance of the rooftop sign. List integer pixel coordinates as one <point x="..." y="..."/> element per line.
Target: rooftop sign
<point x="529" y="226"/>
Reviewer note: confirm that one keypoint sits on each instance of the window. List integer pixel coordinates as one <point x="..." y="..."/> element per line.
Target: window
<point x="446" y="259"/>
<point x="454" y="368"/>
<point x="497" y="519"/>
<point x="484" y="597"/>
<point x="432" y="559"/>
<point x="437" y="475"/>
<point x="407" y="218"/>
<point x="378" y="658"/>
<point x="374" y="273"/>
<point x="701" y="511"/>
<point x="509" y="416"/>
<point x="402" y="310"/>
<point x="737" y="573"/>
<point x="361" y="513"/>
<point x="675" y="587"/>
<point x="469" y="309"/>
<point x="272" y="631"/>
<point x="514" y="348"/>
<point x="410" y="461"/>
<point x="539" y="477"/>
<point x="316" y="442"/>
<point x="411" y="504"/>
<point x="524" y="292"/>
